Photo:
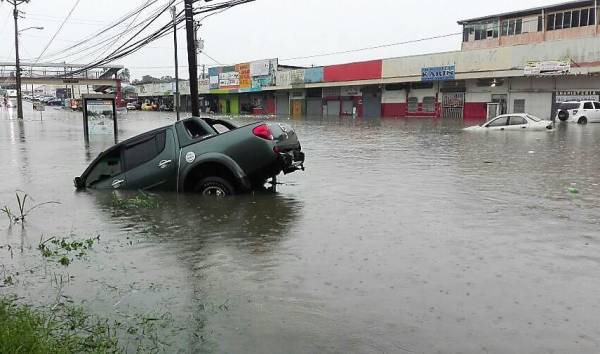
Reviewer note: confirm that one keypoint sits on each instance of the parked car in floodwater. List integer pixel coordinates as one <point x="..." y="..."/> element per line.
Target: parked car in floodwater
<point x="202" y="155"/>
<point x="579" y="112"/>
<point x="514" y="121"/>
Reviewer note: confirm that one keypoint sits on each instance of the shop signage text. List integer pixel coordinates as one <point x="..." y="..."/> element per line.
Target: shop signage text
<point x="547" y="68"/>
<point x="439" y="73"/>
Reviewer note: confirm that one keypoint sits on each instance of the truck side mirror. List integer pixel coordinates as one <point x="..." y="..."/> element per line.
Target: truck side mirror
<point x="79" y="183"/>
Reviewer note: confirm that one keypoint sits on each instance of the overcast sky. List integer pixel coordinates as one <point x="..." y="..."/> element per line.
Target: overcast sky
<point x="259" y="30"/>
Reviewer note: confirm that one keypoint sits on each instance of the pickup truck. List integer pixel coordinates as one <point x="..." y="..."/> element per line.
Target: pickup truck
<point x="212" y="157"/>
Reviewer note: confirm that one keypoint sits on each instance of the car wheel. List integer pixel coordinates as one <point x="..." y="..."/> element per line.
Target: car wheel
<point x="582" y="120"/>
<point x="214" y="187"/>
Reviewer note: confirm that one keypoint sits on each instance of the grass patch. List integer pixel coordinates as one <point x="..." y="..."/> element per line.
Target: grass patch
<point x="24" y="329"/>
<point x="140" y="201"/>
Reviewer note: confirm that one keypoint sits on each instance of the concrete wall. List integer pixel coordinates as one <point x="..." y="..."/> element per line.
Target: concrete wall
<point x="585" y="52"/>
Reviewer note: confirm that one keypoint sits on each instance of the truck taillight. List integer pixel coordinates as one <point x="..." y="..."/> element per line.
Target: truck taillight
<point x="263" y="131"/>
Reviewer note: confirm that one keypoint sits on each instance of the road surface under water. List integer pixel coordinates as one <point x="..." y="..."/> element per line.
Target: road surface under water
<point x="401" y="236"/>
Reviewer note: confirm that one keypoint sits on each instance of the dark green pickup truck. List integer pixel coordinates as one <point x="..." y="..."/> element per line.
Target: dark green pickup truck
<point x="201" y="155"/>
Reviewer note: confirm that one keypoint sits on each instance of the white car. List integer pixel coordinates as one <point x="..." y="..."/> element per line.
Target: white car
<point x="579" y="112"/>
<point x="514" y="121"/>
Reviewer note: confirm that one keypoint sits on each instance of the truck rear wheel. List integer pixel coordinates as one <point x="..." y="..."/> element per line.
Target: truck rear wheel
<point x="214" y="187"/>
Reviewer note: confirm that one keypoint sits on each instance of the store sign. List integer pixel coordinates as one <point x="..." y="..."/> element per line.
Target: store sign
<point x="284" y="78"/>
<point x="297" y="76"/>
<point x="566" y="96"/>
<point x="244" y="75"/>
<point x="351" y="91"/>
<point x="229" y="79"/>
<point x="214" y="82"/>
<point x="439" y="73"/>
<point x="547" y="68"/>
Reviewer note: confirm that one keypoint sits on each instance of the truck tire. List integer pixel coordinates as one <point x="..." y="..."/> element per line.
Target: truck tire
<point x="214" y="187"/>
<point x="582" y="121"/>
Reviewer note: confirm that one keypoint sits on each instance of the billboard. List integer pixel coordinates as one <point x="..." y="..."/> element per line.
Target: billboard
<point x="547" y="68"/>
<point x="244" y="77"/>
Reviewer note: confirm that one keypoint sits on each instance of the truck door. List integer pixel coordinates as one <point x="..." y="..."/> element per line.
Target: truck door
<point x="151" y="161"/>
<point x="108" y="172"/>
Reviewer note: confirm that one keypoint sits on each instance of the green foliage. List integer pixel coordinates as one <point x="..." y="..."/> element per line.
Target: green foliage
<point x="140" y="201"/>
<point x="22" y="199"/>
<point x="63" y="249"/>
<point x="31" y="331"/>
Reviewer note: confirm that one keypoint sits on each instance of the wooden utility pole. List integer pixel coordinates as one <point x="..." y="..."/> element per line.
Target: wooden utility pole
<point x="192" y="59"/>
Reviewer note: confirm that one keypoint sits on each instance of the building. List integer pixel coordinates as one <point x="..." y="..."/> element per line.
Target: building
<point x="520" y="61"/>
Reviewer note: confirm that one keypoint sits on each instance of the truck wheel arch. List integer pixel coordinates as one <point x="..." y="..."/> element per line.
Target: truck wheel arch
<point x="217" y="166"/>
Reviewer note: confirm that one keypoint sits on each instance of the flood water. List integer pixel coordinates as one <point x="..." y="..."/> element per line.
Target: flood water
<point x="402" y="236"/>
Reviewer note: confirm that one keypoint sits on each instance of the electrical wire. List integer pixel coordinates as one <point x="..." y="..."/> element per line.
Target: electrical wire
<point x="373" y="47"/>
<point x="58" y="31"/>
<point x="106" y="29"/>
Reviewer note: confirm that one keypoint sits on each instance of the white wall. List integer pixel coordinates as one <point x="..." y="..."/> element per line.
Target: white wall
<point x="537" y="103"/>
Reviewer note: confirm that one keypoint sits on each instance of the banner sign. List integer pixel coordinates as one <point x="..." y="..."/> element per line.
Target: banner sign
<point x="297" y="76"/>
<point x="260" y="68"/>
<point x="566" y="96"/>
<point x="439" y="73"/>
<point x="245" y="79"/>
<point x="229" y="80"/>
<point x="547" y="68"/>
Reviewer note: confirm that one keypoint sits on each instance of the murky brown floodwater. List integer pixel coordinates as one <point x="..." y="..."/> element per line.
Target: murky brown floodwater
<point x="401" y="236"/>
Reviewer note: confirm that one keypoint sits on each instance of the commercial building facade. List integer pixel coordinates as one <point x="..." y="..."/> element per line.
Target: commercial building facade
<point x="522" y="61"/>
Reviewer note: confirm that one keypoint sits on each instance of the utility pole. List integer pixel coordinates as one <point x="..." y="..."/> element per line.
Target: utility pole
<point x="176" y="97"/>
<point x="16" y="3"/>
<point x="192" y="60"/>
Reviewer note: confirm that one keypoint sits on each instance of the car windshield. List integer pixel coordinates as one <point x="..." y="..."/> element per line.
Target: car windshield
<point x="534" y="118"/>
<point x="569" y="105"/>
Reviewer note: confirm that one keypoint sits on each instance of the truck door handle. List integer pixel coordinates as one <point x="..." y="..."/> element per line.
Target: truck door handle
<point x="117" y="183"/>
<point x="165" y="163"/>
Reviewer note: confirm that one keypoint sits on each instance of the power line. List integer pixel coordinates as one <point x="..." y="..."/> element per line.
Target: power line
<point x="373" y="47"/>
<point x="59" y="29"/>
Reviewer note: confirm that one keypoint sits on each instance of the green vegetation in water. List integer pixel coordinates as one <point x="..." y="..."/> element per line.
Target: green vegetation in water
<point x="62" y="329"/>
<point x="24" y="211"/>
<point x="24" y="329"/>
<point x="62" y="250"/>
<point x="140" y="201"/>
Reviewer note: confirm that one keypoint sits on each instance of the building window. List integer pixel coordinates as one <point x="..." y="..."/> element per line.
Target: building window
<point x="575" y="18"/>
<point x="567" y="20"/>
<point x="550" y="26"/>
<point x="540" y="26"/>
<point x="512" y="27"/>
<point x="429" y="104"/>
<point x="519" y="106"/>
<point x="480" y="31"/>
<point x="558" y="22"/>
<point x="571" y="19"/>
<point x="413" y="104"/>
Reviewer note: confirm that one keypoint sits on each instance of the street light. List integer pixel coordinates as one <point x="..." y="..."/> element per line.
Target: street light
<point x="28" y="28"/>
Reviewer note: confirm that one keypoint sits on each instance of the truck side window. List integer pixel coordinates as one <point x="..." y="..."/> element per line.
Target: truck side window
<point x="109" y="166"/>
<point x="144" y="150"/>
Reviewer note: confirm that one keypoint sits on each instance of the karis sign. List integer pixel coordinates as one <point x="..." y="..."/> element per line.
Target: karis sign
<point x="439" y="73"/>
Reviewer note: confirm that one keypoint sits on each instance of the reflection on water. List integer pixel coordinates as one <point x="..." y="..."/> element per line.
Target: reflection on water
<point x="401" y="236"/>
